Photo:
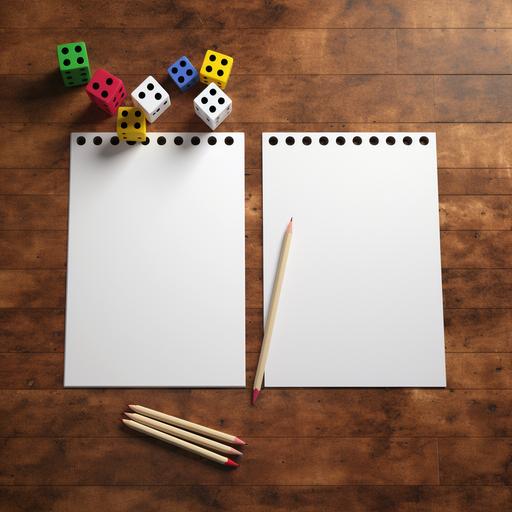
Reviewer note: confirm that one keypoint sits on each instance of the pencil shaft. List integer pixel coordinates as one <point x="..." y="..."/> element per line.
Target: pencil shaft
<point x="188" y="425"/>
<point x="183" y="434"/>
<point x="175" y="441"/>
<point x="272" y="310"/>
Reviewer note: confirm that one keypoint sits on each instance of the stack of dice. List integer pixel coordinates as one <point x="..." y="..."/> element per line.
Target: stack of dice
<point x="150" y="99"/>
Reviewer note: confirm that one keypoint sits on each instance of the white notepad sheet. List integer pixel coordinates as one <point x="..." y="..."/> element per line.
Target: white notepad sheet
<point x="156" y="272"/>
<point x="361" y="303"/>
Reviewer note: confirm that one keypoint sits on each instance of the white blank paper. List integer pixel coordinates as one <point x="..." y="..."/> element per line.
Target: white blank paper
<point x="361" y="302"/>
<point x="155" y="292"/>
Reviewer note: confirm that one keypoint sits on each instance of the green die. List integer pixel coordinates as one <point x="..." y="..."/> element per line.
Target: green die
<point x="73" y="63"/>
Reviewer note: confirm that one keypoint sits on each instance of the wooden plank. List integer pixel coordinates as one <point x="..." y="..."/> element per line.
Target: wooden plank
<point x="270" y="51"/>
<point x="42" y="330"/>
<point x="261" y="14"/>
<point x="478" y="330"/>
<point x="475" y="461"/>
<point x="388" y="99"/>
<point x="475" y="181"/>
<point x="34" y="212"/>
<point x="34" y="181"/>
<point x="464" y="288"/>
<point x="473" y="98"/>
<point x="309" y="412"/>
<point x="289" y="461"/>
<point x="33" y="249"/>
<point x="395" y="498"/>
<point x="32" y="288"/>
<point x="451" y="52"/>
<point x="32" y="330"/>
<point x="477" y="288"/>
<point x="50" y="212"/>
<point x="479" y="371"/>
<point x="475" y="212"/>
<point x="466" y="330"/>
<point x="476" y="249"/>
<point x="479" y="145"/>
<point x="451" y="181"/>
<point x="26" y="371"/>
<point x="258" y="51"/>
<point x="484" y="288"/>
<point x="46" y="370"/>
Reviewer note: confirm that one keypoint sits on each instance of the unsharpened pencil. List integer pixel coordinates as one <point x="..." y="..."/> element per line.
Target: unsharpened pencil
<point x="272" y="310"/>
<point x="176" y="441"/>
<point x="183" y="434"/>
<point x="187" y="425"/>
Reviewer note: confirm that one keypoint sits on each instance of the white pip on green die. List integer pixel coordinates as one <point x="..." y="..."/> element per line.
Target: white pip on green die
<point x="213" y="105"/>
<point x="151" y="98"/>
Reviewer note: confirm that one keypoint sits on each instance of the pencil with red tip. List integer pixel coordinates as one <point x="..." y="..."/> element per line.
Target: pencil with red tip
<point x="187" y="425"/>
<point x="184" y="434"/>
<point x="272" y="311"/>
<point x="185" y="445"/>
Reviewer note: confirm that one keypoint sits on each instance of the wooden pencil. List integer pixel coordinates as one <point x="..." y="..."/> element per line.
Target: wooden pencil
<point x="176" y="441"/>
<point x="183" y="434"/>
<point x="272" y="310"/>
<point x="187" y="425"/>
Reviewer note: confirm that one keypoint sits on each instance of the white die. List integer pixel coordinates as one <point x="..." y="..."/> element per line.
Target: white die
<point x="152" y="98"/>
<point x="213" y="105"/>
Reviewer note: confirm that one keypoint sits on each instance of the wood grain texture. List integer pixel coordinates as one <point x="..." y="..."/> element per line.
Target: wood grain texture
<point x="272" y="51"/>
<point x="288" y="461"/>
<point x="475" y="461"/>
<point x="46" y="370"/>
<point x="300" y="65"/>
<point x="389" y="99"/>
<point x="466" y="330"/>
<point x="249" y="498"/>
<point x="262" y="14"/>
<point x="49" y="212"/>
<point x="372" y="413"/>
<point x="478" y="330"/>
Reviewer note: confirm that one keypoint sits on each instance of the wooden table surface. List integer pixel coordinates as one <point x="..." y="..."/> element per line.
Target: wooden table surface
<point x="299" y="65"/>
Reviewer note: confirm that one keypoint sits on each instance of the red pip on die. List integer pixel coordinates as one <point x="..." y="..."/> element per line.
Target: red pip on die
<point x="106" y="91"/>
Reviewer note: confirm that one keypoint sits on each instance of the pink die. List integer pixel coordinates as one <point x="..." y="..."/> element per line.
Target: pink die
<point x="106" y="91"/>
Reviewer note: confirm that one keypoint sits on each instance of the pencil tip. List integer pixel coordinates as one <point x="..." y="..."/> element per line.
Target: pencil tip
<point x="239" y="441"/>
<point x="255" y="394"/>
<point x="234" y="451"/>
<point x="231" y="463"/>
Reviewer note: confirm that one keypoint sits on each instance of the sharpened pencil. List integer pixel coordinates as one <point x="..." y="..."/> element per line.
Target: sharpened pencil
<point x="272" y="310"/>
<point x="187" y="425"/>
<point x="183" y="434"/>
<point x="176" y="441"/>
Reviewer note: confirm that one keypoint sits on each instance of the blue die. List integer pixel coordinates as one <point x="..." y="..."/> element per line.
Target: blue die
<point x="183" y="73"/>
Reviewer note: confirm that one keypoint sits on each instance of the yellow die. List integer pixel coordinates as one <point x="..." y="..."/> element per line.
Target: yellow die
<point x="216" y="68"/>
<point x="131" y="124"/>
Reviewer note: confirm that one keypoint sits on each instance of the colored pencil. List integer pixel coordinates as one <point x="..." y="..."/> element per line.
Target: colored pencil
<point x="176" y="441"/>
<point x="187" y="425"/>
<point x="183" y="434"/>
<point x="272" y="311"/>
